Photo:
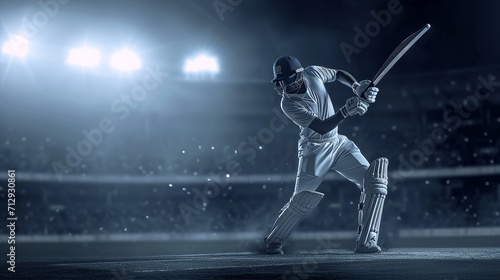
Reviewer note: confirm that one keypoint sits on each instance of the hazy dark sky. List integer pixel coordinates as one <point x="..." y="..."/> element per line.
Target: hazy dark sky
<point x="255" y="32"/>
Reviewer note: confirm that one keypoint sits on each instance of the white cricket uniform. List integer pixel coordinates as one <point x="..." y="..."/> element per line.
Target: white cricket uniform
<point x="320" y="153"/>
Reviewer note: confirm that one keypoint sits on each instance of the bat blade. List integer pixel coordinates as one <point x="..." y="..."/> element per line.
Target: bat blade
<point x="398" y="53"/>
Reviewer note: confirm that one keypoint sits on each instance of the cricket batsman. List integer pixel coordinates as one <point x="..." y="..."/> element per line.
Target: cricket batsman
<point x="321" y="149"/>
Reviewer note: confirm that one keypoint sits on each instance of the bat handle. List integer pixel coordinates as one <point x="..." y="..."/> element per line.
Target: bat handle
<point x="362" y="95"/>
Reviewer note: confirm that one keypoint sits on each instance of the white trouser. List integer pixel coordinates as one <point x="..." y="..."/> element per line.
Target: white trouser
<point x="315" y="160"/>
<point x="340" y="155"/>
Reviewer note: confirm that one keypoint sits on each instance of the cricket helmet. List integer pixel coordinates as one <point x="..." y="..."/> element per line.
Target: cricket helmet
<point x="285" y="67"/>
<point x="288" y="75"/>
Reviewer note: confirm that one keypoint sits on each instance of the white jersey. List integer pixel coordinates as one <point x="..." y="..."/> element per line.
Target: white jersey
<point x="303" y="108"/>
<point x="320" y="154"/>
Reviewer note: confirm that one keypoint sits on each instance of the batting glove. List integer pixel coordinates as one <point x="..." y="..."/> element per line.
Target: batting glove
<point x="371" y="92"/>
<point x="353" y="106"/>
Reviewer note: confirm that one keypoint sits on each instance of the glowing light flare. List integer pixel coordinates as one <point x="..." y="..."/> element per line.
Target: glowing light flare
<point x="201" y="64"/>
<point x="85" y="56"/>
<point x="16" y="46"/>
<point x="125" y="60"/>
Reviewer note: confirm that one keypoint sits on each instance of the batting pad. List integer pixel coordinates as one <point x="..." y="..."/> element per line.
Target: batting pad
<point x="300" y="205"/>
<point x="372" y="201"/>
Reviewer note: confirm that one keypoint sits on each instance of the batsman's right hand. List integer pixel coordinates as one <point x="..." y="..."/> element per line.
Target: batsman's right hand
<point x="353" y="106"/>
<point x="367" y="92"/>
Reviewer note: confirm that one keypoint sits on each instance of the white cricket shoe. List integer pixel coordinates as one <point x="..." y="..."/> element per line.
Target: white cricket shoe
<point x="369" y="248"/>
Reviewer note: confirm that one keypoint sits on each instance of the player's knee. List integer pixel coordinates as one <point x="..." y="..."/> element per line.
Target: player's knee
<point x="376" y="178"/>
<point x="304" y="202"/>
<point x="378" y="169"/>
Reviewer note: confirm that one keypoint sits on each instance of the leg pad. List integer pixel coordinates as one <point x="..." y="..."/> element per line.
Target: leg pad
<point x="300" y="205"/>
<point x="372" y="202"/>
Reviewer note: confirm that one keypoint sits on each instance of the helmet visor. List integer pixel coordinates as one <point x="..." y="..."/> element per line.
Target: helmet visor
<point x="290" y="85"/>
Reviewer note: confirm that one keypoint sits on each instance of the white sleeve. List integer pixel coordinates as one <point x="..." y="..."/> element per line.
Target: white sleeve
<point x="327" y="75"/>
<point x="297" y="113"/>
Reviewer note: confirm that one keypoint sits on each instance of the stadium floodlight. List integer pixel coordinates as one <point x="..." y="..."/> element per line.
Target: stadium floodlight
<point x="86" y="57"/>
<point x="125" y="60"/>
<point x="201" y="64"/>
<point x="16" y="46"/>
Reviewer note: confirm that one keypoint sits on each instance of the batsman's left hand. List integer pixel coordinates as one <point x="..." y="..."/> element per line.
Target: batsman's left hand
<point x="371" y="92"/>
<point x="363" y="107"/>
